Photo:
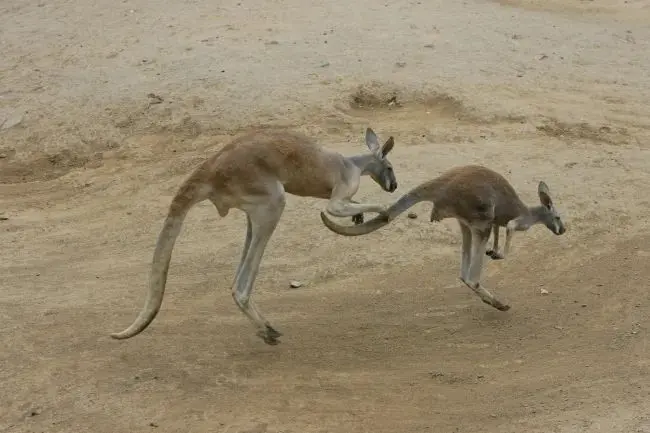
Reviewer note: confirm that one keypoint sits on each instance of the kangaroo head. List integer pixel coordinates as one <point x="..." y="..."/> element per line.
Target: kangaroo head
<point x="548" y="214"/>
<point x="380" y="169"/>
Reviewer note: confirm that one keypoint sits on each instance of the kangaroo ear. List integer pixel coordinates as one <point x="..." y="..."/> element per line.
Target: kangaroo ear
<point x="544" y="195"/>
<point x="372" y="141"/>
<point x="388" y="146"/>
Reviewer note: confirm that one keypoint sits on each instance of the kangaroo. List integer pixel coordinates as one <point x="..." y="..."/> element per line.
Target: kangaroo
<point x="253" y="173"/>
<point x="482" y="201"/>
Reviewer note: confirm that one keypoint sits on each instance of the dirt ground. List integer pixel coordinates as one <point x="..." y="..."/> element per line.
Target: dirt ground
<point x="105" y="107"/>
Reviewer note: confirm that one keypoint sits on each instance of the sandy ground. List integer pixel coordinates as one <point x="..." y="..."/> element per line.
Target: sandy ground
<point x="106" y="106"/>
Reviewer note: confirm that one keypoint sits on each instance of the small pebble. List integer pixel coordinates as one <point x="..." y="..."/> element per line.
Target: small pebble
<point x="543" y="291"/>
<point x="412" y="215"/>
<point x="295" y="284"/>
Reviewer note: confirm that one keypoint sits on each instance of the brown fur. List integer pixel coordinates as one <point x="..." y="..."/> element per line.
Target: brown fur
<point x="481" y="200"/>
<point x="253" y="173"/>
<point x="302" y="166"/>
<point x="473" y="193"/>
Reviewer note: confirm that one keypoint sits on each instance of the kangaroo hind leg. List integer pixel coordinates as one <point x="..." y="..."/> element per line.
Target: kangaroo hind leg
<point x="494" y="253"/>
<point x="466" y="251"/>
<point x="480" y="238"/>
<point x="264" y="214"/>
<point x="247" y="244"/>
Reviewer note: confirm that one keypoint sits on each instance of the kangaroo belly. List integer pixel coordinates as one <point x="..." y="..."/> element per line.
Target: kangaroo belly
<point x="306" y="188"/>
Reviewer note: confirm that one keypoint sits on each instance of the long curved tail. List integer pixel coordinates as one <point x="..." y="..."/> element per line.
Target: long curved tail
<point x="405" y="202"/>
<point x="179" y="208"/>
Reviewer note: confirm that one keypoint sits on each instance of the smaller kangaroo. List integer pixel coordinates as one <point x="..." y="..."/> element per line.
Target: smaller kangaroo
<point x="481" y="200"/>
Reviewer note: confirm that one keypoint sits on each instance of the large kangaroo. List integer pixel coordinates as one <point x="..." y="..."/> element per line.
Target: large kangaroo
<point x="481" y="200"/>
<point x="253" y="173"/>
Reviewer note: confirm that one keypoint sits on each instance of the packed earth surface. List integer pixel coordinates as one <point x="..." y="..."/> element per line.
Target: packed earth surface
<point x="107" y="106"/>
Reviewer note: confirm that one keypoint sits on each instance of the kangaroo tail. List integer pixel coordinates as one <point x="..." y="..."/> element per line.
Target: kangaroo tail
<point x="184" y="200"/>
<point x="400" y="206"/>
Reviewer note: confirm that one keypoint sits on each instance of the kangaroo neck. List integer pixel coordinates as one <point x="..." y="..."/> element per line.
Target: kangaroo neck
<point x="362" y="162"/>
